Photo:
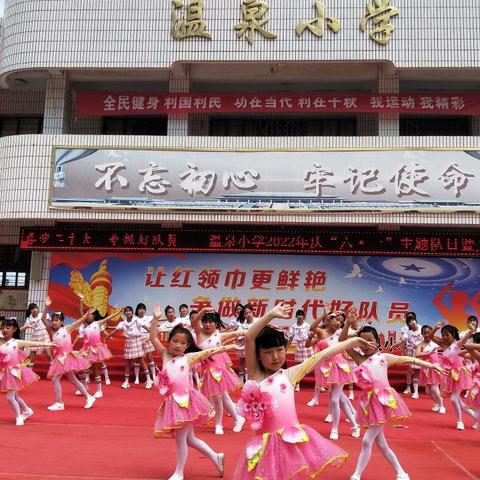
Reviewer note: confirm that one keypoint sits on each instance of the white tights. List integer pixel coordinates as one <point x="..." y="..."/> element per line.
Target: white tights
<point x="459" y="406"/>
<point x="184" y="438"/>
<point x="57" y="387"/>
<point x="436" y="395"/>
<point x="339" y="400"/>
<point x="376" y="434"/>
<point x="16" y="402"/>
<point x="219" y="403"/>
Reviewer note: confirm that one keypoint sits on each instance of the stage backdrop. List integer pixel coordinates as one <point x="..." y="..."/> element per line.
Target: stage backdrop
<point x="382" y="288"/>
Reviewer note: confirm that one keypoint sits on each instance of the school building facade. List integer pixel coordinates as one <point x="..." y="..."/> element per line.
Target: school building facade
<point x="318" y="127"/>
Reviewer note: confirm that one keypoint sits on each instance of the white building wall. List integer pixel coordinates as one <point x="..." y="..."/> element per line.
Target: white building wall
<point x="136" y="34"/>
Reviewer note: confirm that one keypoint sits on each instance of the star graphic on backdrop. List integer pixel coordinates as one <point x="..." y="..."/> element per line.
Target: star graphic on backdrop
<point x="412" y="267"/>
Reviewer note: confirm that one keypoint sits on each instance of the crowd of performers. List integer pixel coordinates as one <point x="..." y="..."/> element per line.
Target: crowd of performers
<point x="196" y="377"/>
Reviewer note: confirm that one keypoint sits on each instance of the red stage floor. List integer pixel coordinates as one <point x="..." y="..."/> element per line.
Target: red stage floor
<point x="114" y="441"/>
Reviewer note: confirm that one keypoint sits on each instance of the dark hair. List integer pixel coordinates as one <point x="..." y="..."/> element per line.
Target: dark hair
<point x="192" y="346"/>
<point x="369" y="329"/>
<point x="411" y="315"/>
<point x="128" y="307"/>
<point x="476" y="337"/>
<point x="299" y="312"/>
<point x="60" y="315"/>
<point x="424" y="327"/>
<point x="269" y="338"/>
<point x="472" y="318"/>
<point x="167" y="308"/>
<point x="96" y="315"/>
<point x="409" y="319"/>
<point x="30" y="307"/>
<point x="214" y="317"/>
<point x="139" y="306"/>
<point x="11" y="322"/>
<point x="192" y="312"/>
<point x="452" y="330"/>
<point x="183" y="305"/>
<point x="240" y="317"/>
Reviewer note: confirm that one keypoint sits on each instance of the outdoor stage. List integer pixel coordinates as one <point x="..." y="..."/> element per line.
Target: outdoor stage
<point x="114" y="440"/>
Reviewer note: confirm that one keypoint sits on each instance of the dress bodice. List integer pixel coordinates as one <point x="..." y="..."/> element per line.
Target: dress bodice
<point x="92" y="334"/>
<point x="373" y="373"/>
<point x="431" y="350"/>
<point x="281" y="392"/>
<point x="451" y="356"/>
<point x="63" y="340"/>
<point x="214" y="341"/>
<point x="175" y="376"/>
<point x="9" y="354"/>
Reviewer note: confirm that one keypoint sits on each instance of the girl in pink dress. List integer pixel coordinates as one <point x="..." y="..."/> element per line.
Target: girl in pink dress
<point x="218" y="378"/>
<point x="379" y="402"/>
<point x="93" y="350"/>
<point x="182" y="404"/>
<point x="472" y="398"/>
<point x="428" y="351"/>
<point x="334" y="373"/>
<point x="66" y="361"/>
<point x="281" y="448"/>
<point x="458" y="376"/>
<point x="14" y="375"/>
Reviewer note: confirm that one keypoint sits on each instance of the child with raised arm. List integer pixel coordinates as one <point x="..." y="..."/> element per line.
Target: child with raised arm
<point x="428" y="351"/>
<point x="66" y="361"/>
<point x="94" y="350"/>
<point x="472" y="399"/>
<point x="218" y="377"/>
<point x="379" y="402"/>
<point x="458" y="376"/>
<point x="182" y="405"/>
<point x="334" y="372"/>
<point x="14" y="375"/>
<point x="282" y="448"/>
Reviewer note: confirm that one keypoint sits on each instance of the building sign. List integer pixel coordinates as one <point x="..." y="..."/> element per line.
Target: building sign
<point x="266" y="180"/>
<point x="188" y="20"/>
<point x="104" y="104"/>
<point x="300" y="240"/>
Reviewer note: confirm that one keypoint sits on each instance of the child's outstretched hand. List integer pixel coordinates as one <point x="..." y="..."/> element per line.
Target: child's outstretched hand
<point x="365" y="343"/>
<point x="282" y="311"/>
<point x="157" y="311"/>
<point x="438" y="368"/>
<point x="327" y="308"/>
<point x="48" y="301"/>
<point x="440" y="324"/>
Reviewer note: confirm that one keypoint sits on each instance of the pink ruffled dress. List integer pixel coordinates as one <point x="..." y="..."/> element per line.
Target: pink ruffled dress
<point x="472" y="399"/>
<point x="379" y="402"/>
<point x="181" y="402"/>
<point x="66" y="359"/>
<point x="93" y="349"/>
<point x="458" y="376"/>
<point x="14" y="375"/>
<point x="429" y="376"/>
<point x="336" y="370"/>
<point x="218" y="377"/>
<point x="282" y="448"/>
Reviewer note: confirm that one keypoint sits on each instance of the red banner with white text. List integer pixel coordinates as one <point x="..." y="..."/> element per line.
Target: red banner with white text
<point x="106" y="103"/>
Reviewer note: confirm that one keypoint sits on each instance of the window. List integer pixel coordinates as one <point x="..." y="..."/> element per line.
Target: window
<point x="434" y="125"/>
<point x="20" y="125"/>
<point x="281" y="127"/>
<point x="14" y="267"/>
<point x="135" y="125"/>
